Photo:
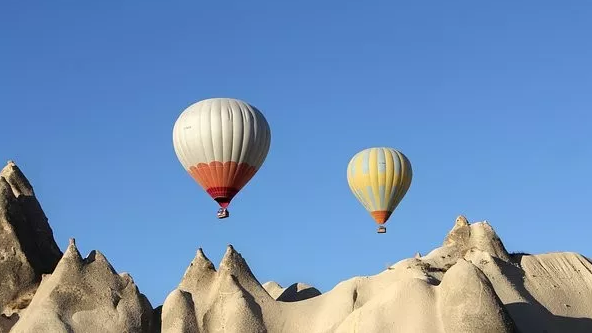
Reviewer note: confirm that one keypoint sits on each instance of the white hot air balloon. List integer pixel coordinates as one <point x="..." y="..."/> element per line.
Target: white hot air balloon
<point x="221" y="143"/>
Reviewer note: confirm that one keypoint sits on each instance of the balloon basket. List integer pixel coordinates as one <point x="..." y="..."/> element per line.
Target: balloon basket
<point x="381" y="230"/>
<point x="223" y="213"/>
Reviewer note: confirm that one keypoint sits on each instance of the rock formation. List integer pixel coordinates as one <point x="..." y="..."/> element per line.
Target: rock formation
<point x="294" y="293"/>
<point x="86" y="295"/>
<point x="469" y="284"/>
<point x="27" y="247"/>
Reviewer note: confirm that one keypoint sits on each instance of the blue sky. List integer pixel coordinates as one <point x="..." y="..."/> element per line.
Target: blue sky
<point x="491" y="102"/>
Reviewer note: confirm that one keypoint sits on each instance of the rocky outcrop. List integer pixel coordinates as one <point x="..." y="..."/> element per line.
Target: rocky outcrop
<point x="273" y="289"/>
<point x="294" y="293"/>
<point x="27" y="247"/>
<point x="468" y="302"/>
<point x="86" y="295"/>
<point x="469" y="284"/>
<point x="464" y="237"/>
<point x="229" y="299"/>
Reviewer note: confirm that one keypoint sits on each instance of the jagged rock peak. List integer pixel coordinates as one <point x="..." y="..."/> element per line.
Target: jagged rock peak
<point x="272" y="284"/>
<point x="126" y="277"/>
<point x="200" y="272"/>
<point x="98" y="259"/>
<point x="27" y="247"/>
<point x="72" y="251"/>
<point x="273" y="288"/>
<point x="86" y="296"/>
<point x="22" y="211"/>
<point x="479" y="235"/>
<point x="298" y="292"/>
<point x="97" y="256"/>
<point x="230" y="250"/>
<point x="202" y="261"/>
<point x="461" y="220"/>
<point x="234" y="263"/>
<point x="231" y="258"/>
<point x="16" y="179"/>
<point x="460" y="232"/>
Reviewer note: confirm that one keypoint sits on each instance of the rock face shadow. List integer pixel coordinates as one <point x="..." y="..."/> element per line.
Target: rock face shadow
<point x="532" y="316"/>
<point x="546" y="322"/>
<point x="36" y="236"/>
<point x="6" y="323"/>
<point x="297" y="292"/>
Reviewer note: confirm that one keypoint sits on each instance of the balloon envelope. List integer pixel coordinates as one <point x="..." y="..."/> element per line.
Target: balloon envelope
<point x="221" y="143"/>
<point x="379" y="178"/>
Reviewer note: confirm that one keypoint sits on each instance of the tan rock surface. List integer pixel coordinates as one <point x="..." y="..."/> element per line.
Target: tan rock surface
<point x="469" y="284"/>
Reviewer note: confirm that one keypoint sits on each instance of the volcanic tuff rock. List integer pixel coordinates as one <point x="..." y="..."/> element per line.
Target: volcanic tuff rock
<point x="295" y="292"/>
<point x="86" y="295"/>
<point x="469" y="284"/>
<point x="27" y="247"/>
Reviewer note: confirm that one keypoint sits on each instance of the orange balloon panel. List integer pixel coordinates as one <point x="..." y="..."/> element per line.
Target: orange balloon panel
<point x="222" y="181"/>
<point x="381" y="216"/>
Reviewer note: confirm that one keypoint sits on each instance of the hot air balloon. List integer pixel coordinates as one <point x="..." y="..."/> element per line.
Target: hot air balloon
<point x="379" y="178"/>
<point x="221" y="143"/>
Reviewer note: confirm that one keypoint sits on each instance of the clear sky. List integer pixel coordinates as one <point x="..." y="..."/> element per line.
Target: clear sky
<point x="490" y="100"/>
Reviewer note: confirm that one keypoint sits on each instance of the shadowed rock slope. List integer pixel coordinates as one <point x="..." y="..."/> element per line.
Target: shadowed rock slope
<point x="295" y="292"/>
<point x="27" y="247"/>
<point x="469" y="284"/>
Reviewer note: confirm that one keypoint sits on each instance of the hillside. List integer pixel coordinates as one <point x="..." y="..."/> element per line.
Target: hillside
<point x="469" y="284"/>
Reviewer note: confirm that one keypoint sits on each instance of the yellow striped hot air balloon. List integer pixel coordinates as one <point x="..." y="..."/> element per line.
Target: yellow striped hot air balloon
<point x="379" y="177"/>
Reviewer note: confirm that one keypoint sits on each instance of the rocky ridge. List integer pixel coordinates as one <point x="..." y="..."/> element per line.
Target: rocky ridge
<point x="469" y="284"/>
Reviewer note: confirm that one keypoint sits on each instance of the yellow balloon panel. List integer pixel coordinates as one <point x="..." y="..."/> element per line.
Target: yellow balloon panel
<point x="379" y="178"/>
